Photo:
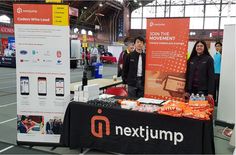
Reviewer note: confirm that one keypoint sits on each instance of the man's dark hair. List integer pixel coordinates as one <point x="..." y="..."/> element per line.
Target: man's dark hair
<point x="128" y="41"/>
<point x="218" y="43"/>
<point x="139" y="38"/>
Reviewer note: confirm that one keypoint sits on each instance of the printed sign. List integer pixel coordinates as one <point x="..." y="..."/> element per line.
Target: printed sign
<point x="167" y="45"/>
<point x="43" y="70"/>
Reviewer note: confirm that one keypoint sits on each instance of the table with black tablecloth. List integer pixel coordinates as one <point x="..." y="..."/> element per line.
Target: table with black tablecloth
<point x="126" y="131"/>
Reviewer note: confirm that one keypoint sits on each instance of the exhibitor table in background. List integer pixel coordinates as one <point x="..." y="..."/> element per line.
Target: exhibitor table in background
<point x="108" y="59"/>
<point x="125" y="131"/>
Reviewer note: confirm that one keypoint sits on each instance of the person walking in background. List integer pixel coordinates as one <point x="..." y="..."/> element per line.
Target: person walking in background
<point x="130" y="47"/>
<point x="200" y="71"/>
<point x="94" y="54"/>
<point x="217" y="67"/>
<point x="134" y="69"/>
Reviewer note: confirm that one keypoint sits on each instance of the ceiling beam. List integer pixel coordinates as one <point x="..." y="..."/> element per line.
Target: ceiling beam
<point x="113" y="5"/>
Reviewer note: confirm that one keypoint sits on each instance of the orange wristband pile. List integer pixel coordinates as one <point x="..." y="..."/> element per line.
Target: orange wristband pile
<point x="194" y="109"/>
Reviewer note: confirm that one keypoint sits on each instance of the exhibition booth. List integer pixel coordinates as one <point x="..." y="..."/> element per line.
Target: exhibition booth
<point x="162" y="122"/>
<point x="8" y="50"/>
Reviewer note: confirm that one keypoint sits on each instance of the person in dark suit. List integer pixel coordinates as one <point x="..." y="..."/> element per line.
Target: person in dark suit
<point x="130" y="47"/>
<point x="200" y="71"/>
<point x="134" y="69"/>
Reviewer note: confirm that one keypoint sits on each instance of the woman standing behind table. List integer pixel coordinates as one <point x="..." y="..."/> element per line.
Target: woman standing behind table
<point x="200" y="71"/>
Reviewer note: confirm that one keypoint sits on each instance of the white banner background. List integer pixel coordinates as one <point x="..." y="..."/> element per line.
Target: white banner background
<point x="43" y="63"/>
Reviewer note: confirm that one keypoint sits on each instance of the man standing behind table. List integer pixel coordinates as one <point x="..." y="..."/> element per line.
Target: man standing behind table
<point x="217" y="67"/>
<point x="134" y="69"/>
<point x="130" y="47"/>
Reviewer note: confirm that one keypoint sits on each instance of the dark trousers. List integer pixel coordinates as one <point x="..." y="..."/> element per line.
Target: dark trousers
<point x="138" y="90"/>
<point x="93" y="59"/>
<point x="217" y="86"/>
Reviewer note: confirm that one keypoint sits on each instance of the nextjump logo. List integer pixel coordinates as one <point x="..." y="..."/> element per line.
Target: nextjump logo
<point x="143" y="132"/>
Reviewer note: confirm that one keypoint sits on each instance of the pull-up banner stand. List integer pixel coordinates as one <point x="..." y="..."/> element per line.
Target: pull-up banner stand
<point x="226" y="101"/>
<point x="166" y="57"/>
<point x="43" y="71"/>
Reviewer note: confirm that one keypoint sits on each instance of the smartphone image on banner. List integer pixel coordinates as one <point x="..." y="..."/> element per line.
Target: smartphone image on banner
<point x="42" y="86"/>
<point x="59" y="87"/>
<point x="24" y="85"/>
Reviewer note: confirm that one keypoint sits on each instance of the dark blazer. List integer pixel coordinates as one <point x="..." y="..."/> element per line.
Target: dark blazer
<point x="206" y="73"/>
<point x="130" y="68"/>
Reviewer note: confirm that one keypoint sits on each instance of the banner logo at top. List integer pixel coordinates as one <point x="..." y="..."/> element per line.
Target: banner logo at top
<point x="100" y="119"/>
<point x="19" y="10"/>
<point x="41" y="14"/>
<point x="151" y="24"/>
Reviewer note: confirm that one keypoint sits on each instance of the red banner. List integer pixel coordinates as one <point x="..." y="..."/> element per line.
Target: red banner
<point x="166" y="62"/>
<point x="41" y="14"/>
<point x="4" y="45"/>
<point x="89" y="38"/>
<point x="32" y="14"/>
<point x="73" y="12"/>
<point x="6" y="30"/>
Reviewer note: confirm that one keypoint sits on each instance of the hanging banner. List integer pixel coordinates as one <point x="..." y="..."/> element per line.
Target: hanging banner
<point x="6" y="30"/>
<point x="166" y="59"/>
<point x="4" y="45"/>
<point x="43" y="70"/>
<point x="7" y="54"/>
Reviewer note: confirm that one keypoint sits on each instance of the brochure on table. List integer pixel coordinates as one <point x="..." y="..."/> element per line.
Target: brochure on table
<point x="43" y="70"/>
<point x="166" y="59"/>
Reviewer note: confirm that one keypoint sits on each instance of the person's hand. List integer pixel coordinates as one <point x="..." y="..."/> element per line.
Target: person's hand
<point x="123" y="85"/>
<point x="186" y="96"/>
<point x="124" y="81"/>
<point x="210" y="96"/>
<point x="210" y="99"/>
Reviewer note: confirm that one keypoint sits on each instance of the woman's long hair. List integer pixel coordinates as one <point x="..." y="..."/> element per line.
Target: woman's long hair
<point x="194" y="51"/>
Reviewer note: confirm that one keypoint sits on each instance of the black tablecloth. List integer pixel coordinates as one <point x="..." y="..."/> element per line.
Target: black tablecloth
<point x="125" y="131"/>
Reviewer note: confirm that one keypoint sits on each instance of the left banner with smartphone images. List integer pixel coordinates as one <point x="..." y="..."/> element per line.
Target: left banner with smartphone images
<point x="43" y="70"/>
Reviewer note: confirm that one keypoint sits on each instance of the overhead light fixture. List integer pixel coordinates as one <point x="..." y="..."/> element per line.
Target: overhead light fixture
<point x="135" y="1"/>
<point x="97" y="27"/>
<point x="83" y="31"/>
<point x="140" y="4"/>
<point x="5" y="19"/>
<point x="85" y="8"/>
<point x="90" y="33"/>
<point x="76" y="30"/>
<point x="100" y="4"/>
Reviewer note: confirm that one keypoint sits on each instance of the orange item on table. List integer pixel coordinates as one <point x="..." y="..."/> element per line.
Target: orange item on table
<point x="172" y="108"/>
<point x="195" y="114"/>
<point x="194" y="109"/>
<point x="200" y="104"/>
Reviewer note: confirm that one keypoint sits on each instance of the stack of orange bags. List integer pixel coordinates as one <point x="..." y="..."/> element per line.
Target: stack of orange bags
<point x="172" y="108"/>
<point x="198" y="110"/>
<point x="194" y="109"/>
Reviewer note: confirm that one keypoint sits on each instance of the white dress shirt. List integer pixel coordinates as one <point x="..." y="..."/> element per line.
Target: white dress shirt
<point x="139" y="72"/>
